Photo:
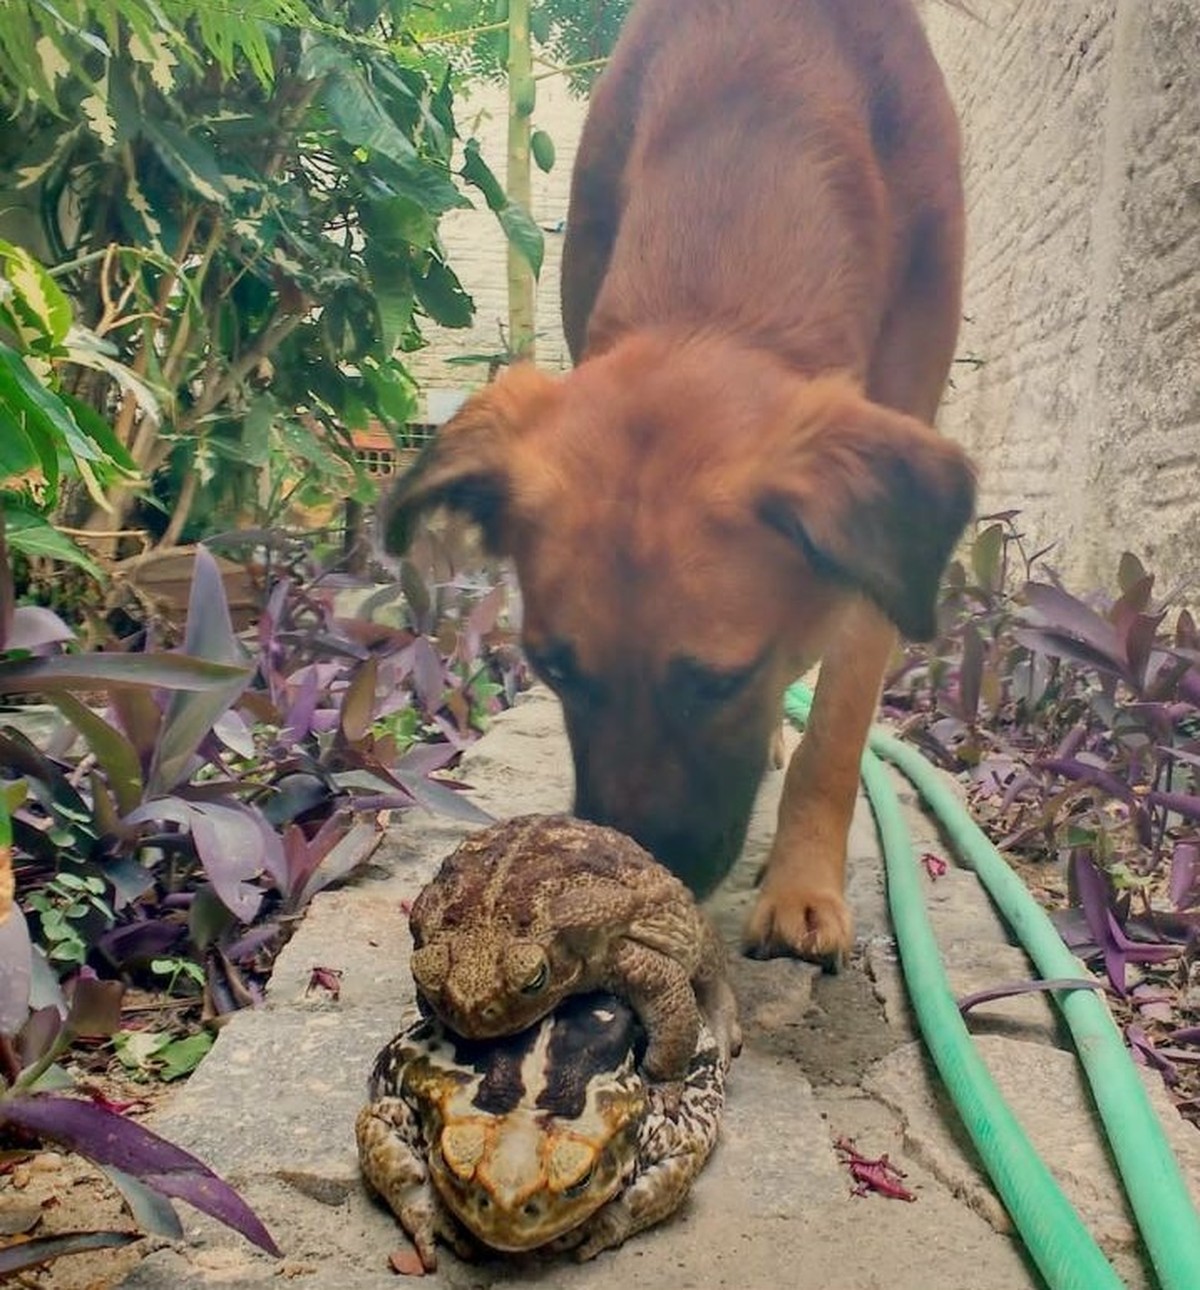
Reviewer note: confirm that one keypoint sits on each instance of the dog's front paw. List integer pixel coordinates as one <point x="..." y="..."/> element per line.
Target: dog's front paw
<point x="791" y="919"/>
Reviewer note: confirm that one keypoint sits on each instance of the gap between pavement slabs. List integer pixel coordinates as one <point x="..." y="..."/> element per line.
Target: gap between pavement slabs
<point x="272" y="1107"/>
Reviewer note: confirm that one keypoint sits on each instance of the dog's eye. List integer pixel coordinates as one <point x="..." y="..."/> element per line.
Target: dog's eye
<point x="696" y="684"/>
<point x="556" y="665"/>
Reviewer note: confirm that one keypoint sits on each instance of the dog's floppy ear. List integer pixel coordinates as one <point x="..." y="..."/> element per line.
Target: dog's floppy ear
<point x="874" y="497"/>
<point x="468" y="464"/>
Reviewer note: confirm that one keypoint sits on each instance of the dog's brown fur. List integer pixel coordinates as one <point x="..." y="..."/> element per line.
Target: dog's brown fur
<point x="761" y="289"/>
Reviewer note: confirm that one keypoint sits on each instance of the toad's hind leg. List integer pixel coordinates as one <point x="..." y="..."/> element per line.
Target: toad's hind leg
<point x="393" y="1168"/>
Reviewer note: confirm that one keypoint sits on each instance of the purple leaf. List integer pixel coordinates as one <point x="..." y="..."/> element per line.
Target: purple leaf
<point x="969" y="1001"/>
<point x="428" y="674"/>
<point x="115" y="753"/>
<point x="233" y="732"/>
<point x="38" y="1034"/>
<point x="1060" y="645"/>
<point x="347" y="854"/>
<point x="970" y="673"/>
<point x="231" y="846"/>
<point x="424" y="759"/>
<point x="177" y="672"/>
<point x="95" y="1008"/>
<point x="229" y="841"/>
<point x="1153" y="1005"/>
<point x="358" y="703"/>
<point x="1077" y="769"/>
<point x="112" y="1140"/>
<point x="1184" y="886"/>
<point x="139" y="942"/>
<point x="209" y="630"/>
<point x="33" y="628"/>
<point x="1140" y="636"/>
<point x="45" y="1249"/>
<point x="1134" y="581"/>
<point x="437" y="796"/>
<point x="151" y="1211"/>
<point x="16" y="971"/>
<point x="481" y="620"/>
<point x="257" y="938"/>
<point x="1185" y="804"/>
<point x="1144" y="1050"/>
<point x="1058" y="610"/>
<point x="1117" y="948"/>
<point x="451" y="733"/>
<point x="305" y="688"/>
<point x="189" y="718"/>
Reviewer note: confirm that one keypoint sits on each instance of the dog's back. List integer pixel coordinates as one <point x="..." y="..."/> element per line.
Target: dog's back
<point x="780" y="169"/>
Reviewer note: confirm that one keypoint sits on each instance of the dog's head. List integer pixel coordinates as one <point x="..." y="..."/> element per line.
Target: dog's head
<point x="688" y="522"/>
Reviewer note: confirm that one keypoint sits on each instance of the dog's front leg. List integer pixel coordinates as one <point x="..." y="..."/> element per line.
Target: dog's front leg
<point x="801" y="907"/>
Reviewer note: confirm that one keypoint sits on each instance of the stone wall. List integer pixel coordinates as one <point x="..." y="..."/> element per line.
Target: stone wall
<point x="1078" y="388"/>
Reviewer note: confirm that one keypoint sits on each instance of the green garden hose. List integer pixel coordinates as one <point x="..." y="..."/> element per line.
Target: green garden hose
<point x="1064" y="1251"/>
<point x="1154" y="1183"/>
<point x="1056" y="1239"/>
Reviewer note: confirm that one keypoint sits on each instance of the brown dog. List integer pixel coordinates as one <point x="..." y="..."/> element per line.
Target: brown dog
<point x="761" y="291"/>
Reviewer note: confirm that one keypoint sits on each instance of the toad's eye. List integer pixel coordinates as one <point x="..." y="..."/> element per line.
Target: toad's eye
<point x="537" y="982"/>
<point x="580" y="1185"/>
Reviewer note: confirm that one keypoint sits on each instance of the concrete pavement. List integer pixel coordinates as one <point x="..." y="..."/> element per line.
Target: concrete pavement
<point x="272" y="1107"/>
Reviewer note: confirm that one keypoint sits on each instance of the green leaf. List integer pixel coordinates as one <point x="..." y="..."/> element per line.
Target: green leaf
<point x="37" y="538"/>
<point x="101" y="434"/>
<point x="394" y="391"/>
<point x="37" y="297"/>
<point x="47" y="420"/>
<point x="358" y="114"/>
<point x="116" y="755"/>
<point x="398" y="224"/>
<point x="987" y="553"/>
<point x="189" y="160"/>
<point x="523" y="234"/>
<point x="140" y="671"/>
<point x="87" y="350"/>
<point x="17" y="452"/>
<point x="182" y="1056"/>
<point x="476" y="171"/>
<point x="256" y="429"/>
<point x="442" y="296"/>
<point x="190" y="714"/>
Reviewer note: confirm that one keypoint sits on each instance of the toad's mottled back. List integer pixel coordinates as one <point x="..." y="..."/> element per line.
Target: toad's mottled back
<point x="536" y="908"/>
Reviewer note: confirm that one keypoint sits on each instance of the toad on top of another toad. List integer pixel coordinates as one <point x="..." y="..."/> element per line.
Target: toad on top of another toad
<point x="539" y="907"/>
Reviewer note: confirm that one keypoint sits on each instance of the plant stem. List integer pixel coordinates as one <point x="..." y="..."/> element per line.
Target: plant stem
<point x="30" y="1076"/>
<point x="519" y="187"/>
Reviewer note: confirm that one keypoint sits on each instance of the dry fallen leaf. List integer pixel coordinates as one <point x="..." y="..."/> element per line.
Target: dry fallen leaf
<point x="406" y="1262"/>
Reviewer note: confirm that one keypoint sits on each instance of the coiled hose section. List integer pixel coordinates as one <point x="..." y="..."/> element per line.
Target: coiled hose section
<point x="1053" y="1233"/>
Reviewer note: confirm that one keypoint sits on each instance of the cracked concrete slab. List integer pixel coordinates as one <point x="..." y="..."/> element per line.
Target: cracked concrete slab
<point x="272" y="1106"/>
